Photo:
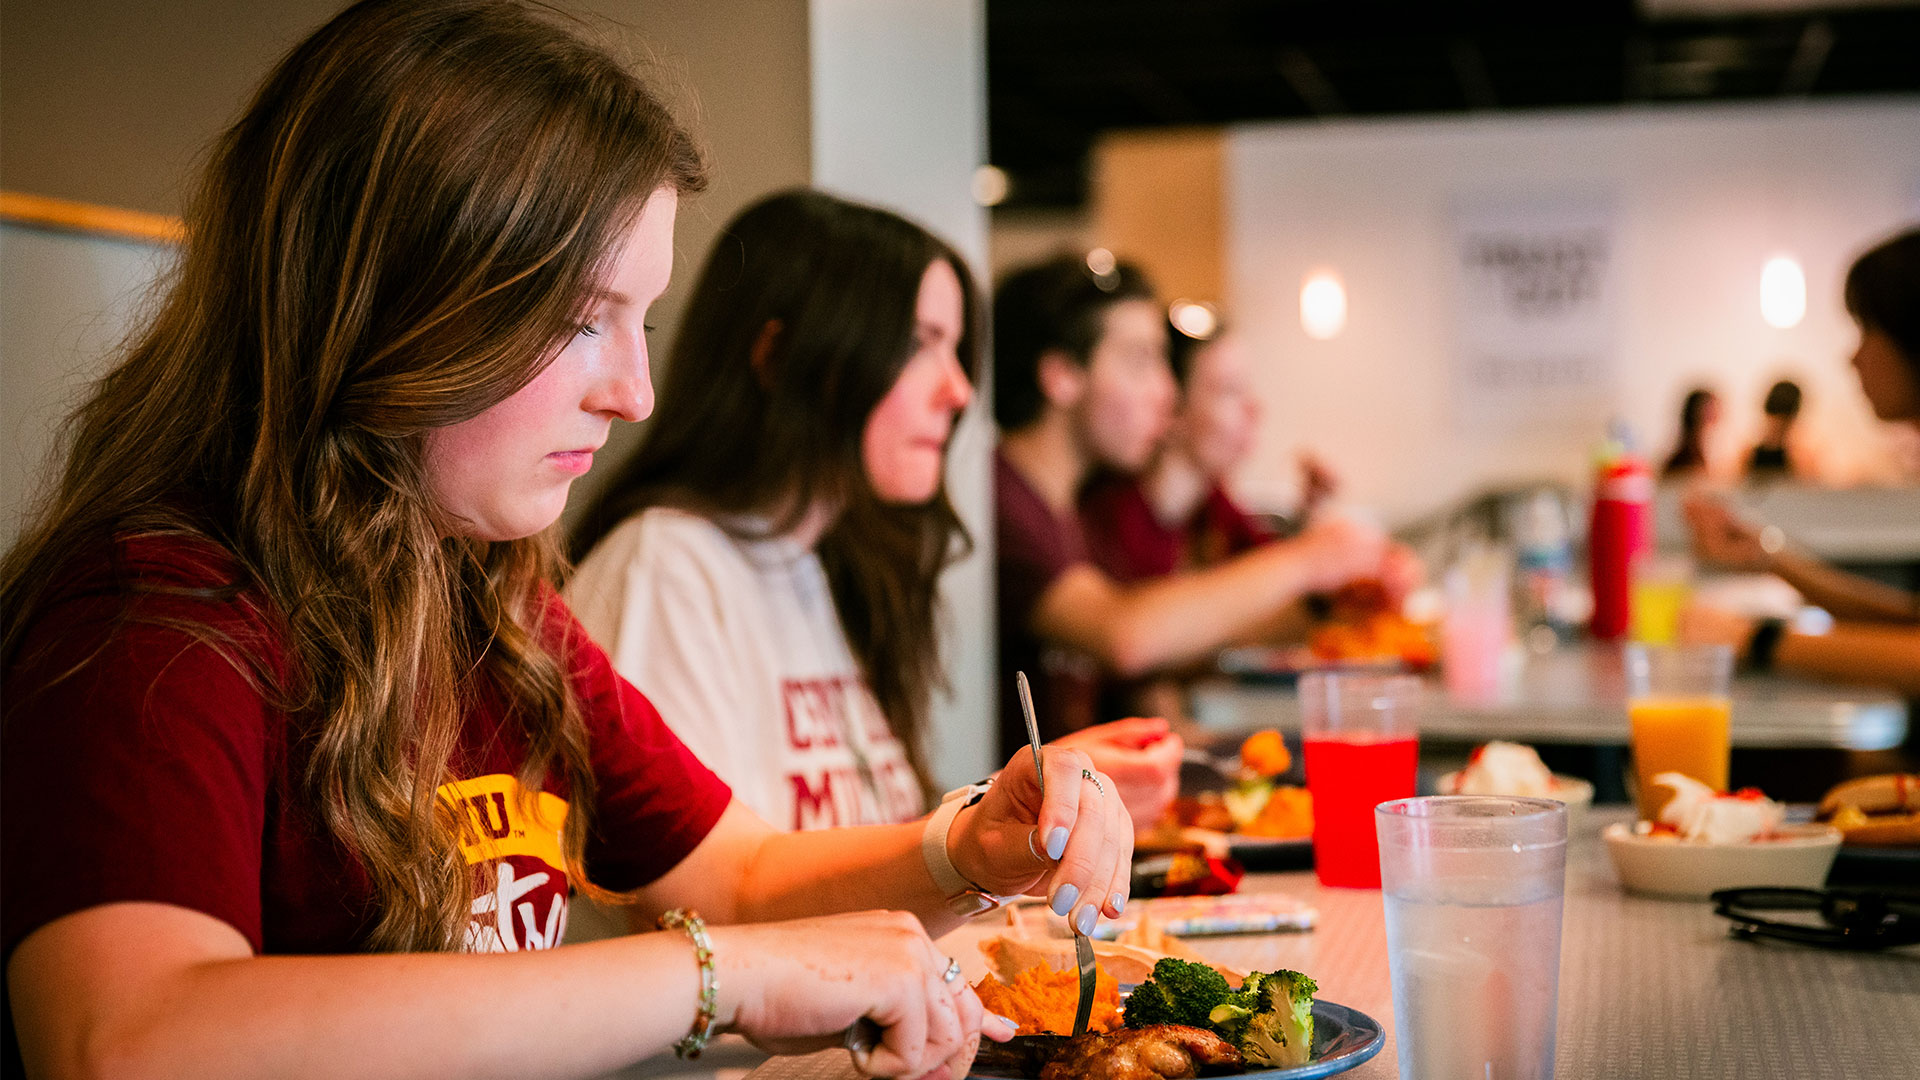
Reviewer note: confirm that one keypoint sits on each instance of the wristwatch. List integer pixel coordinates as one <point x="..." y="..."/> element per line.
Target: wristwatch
<point x="964" y="898"/>
<point x="1764" y="643"/>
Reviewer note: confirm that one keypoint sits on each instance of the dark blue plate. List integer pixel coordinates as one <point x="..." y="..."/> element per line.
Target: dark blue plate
<point x="1342" y="1039"/>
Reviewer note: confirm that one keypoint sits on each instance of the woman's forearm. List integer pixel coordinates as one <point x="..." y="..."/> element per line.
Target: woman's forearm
<point x="795" y="875"/>
<point x="1878" y="655"/>
<point x="141" y="1010"/>
<point x="1185" y="617"/>
<point x="1845" y="595"/>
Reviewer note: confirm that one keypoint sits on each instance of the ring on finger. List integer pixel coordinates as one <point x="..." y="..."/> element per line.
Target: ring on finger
<point x="952" y="974"/>
<point x="862" y="1036"/>
<point x="1031" y="850"/>
<point x="1089" y="776"/>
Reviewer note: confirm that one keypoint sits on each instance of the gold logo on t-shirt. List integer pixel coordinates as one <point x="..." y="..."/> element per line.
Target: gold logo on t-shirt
<point x="498" y="819"/>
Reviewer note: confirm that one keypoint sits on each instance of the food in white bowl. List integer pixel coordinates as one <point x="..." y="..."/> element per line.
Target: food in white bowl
<point x="1515" y="770"/>
<point x="1706" y="841"/>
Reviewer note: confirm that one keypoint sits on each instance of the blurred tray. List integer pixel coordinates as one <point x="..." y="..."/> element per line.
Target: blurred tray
<point x="1283" y="666"/>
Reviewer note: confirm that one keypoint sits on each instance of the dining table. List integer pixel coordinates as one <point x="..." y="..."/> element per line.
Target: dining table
<point x="1649" y="988"/>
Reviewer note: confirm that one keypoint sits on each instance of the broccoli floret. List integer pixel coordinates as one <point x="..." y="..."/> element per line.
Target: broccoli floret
<point x="1148" y="1004"/>
<point x="1270" y="1018"/>
<point x="1179" y="993"/>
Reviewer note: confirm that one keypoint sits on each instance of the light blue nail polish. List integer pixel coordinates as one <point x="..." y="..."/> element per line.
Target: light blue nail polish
<point x="1119" y="903"/>
<point x="1057" y="844"/>
<point x="1064" y="897"/>
<point x="1085" y="920"/>
<point x="1011" y="1026"/>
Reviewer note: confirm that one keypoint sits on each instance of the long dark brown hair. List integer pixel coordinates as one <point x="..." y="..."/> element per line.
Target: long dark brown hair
<point x="396" y="235"/>
<point x="775" y="440"/>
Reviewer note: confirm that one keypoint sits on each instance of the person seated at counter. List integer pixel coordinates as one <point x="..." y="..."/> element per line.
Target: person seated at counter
<point x="1082" y="382"/>
<point x="301" y="755"/>
<point x="1699" y="415"/>
<point x="1777" y="455"/>
<point x="776" y="593"/>
<point x="1177" y="515"/>
<point x="1876" y="638"/>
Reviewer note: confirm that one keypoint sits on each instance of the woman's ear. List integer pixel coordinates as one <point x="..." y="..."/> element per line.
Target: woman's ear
<point x="1063" y="382"/>
<point x="762" y="355"/>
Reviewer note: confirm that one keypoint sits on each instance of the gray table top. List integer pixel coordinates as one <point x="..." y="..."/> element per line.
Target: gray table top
<point x="1578" y="695"/>
<point x="1648" y="988"/>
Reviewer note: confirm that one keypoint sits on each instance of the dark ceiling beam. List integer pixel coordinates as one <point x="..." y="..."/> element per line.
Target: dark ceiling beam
<point x="1308" y="81"/>
<point x="1809" y="58"/>
<point x="1470" y="68"/>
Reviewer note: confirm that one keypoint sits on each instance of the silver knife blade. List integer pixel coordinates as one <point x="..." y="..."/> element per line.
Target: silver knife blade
<point x="1083" y="1012"/>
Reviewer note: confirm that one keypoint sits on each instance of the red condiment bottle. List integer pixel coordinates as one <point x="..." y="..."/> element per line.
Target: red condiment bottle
<point x="1619" y="532"/>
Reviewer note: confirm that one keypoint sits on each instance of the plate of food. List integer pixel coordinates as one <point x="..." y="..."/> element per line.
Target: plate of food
<point x="1707" y="840"/>
<point x="1244" y="810"/>
<point x="1186" y="1020"/>
<point x="1879" y="822"/>
<point x="1516" y="771"/>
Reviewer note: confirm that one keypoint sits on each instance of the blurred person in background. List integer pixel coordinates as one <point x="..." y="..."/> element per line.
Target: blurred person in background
<point x="1177" y="515"/>
<point x="1777" y="456"/>
<point x="1699" y="415"/>
<point x="776" y="592"/>
<point x="1082" y="382"/>
<point x="1876" y="637"/>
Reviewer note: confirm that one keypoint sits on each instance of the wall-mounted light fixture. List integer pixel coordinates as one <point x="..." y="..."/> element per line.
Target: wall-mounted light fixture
<point x="1783" y="292"/>
<point x="990" y="185"/>
<point x="1323" y="305"/>
<point x="1195" y="318"/>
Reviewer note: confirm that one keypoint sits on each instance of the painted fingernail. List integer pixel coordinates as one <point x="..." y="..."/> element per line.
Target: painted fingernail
<point x="1085" y="920"/>
<point x="1119" y="903"/>
<point x="1010" y="1025"/>
<point x="1057" y="844"/>
<point x="1063" y="898"/>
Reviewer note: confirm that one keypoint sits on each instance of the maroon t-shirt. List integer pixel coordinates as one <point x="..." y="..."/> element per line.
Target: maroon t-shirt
<point x="1131" y="544"/>
<point x="158" y="771"/>
<point x="1033" y="547"/>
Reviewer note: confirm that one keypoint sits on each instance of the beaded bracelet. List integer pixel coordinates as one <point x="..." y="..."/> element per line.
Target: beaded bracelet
<point x="702" y="1030"/>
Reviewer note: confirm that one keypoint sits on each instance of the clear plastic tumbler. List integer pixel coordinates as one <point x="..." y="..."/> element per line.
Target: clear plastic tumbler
<point x="1474" y="887"/>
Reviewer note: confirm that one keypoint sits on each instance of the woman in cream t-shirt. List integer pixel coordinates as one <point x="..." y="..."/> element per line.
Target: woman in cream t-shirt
<point x="718" y="625"/>
<point x="766" y="566"/>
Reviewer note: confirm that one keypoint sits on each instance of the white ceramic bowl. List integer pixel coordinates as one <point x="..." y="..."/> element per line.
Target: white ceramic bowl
<point x="1575" y="792"/>
<point x="1678" y="869"/>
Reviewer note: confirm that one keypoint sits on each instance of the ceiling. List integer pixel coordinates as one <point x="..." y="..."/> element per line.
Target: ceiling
<point x="1061" y="71"/>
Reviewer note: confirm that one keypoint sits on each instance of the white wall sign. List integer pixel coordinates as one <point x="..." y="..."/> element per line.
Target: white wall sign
<point x="1537" y="305"/>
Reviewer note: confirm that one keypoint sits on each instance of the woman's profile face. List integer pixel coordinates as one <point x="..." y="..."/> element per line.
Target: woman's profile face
<point x="1221" y="412"/>
<point x="904" y="444"/>
<point x="505" y="473"/>
<point x="1887" y="377"/>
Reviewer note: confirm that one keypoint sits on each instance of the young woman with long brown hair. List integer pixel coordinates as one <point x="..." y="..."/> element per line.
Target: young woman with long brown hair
<point x="287" y="683"/>
<point x="775" y="592"/>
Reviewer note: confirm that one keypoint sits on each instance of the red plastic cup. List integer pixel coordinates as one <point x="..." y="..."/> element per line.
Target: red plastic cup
<point x="1361" y="739"/>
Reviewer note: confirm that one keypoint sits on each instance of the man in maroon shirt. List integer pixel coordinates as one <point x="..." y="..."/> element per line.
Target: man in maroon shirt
<point x="1082" y="381"/>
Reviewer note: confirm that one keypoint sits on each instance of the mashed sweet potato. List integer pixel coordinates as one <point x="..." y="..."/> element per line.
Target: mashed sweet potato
<point x="1042" y="999"/>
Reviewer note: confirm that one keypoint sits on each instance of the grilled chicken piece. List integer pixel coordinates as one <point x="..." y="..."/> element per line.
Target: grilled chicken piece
<point x="1155" y="1052"/>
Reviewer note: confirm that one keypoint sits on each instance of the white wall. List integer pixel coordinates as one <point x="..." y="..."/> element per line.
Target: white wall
<point x="1703" y="194"/>
<point x="65" y="300"/>
<point x="899" y="119"/>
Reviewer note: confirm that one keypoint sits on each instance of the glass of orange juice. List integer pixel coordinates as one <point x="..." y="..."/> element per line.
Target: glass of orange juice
<point x="1680" y="716"/>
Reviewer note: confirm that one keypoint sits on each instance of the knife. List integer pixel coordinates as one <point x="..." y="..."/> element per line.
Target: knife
<point x="1082" y="948"/>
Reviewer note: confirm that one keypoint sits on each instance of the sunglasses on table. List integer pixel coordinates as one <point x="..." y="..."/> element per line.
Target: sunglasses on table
<point x="1849" y="918"/>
